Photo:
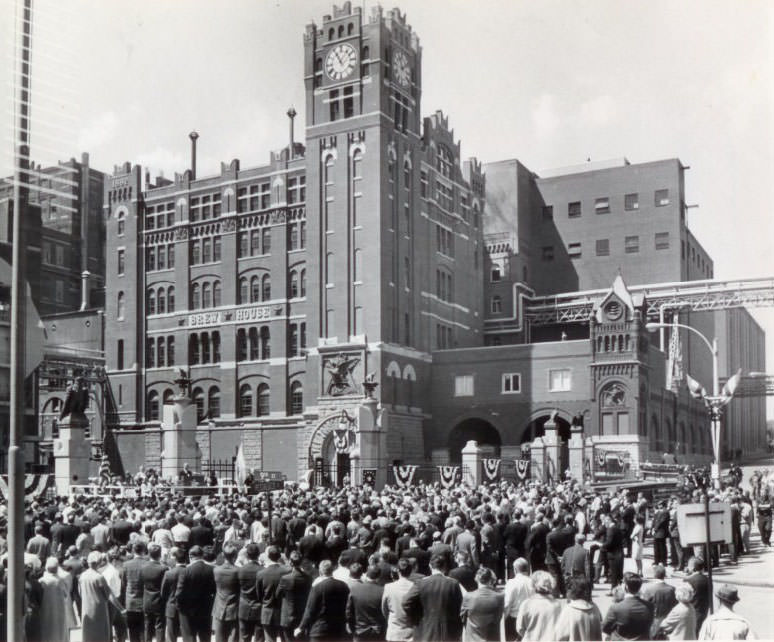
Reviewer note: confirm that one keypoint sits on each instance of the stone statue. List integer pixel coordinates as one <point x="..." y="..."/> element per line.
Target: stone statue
<point x="183" y="381"/>
<point x="76" y="399"/>
<point x="339" y="370"/>
<point x="369" y="385"/>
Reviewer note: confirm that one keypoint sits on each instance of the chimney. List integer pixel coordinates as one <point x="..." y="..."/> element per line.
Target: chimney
<point x="291" y="148"/>
<point x="85" y="289"/>
<point x="147" y="179"/>
<point x="193" y="136"/>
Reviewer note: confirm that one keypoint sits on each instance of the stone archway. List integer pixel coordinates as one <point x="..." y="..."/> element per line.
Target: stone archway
<point x="475" y="429"/>
<point x="535" y="427"/>
<point x="330" y="446"/>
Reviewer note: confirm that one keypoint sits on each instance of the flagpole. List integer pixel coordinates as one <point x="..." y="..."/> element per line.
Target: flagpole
<point x="15" y="628"/>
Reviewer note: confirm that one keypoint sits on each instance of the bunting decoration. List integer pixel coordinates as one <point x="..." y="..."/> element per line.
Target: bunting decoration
<point x="34" y="486"/>
<point x="341" y="440"/>
<point x="369" y="476"/>
<point x="522" y="469"/>
<point x="491" y="468"/>
<point x="449" y="475"/>
<point x="404" y="475"/>
<point x="621" y="459"/>
<point x="601" y="457"/>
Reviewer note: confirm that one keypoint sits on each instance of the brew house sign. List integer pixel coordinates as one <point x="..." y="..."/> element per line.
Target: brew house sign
<point x="240" y="315"/>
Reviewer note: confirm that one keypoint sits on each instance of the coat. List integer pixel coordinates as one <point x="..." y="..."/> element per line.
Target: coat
<point x="195" y="589"/>
<point x="576" y="562"/>
<point x="249" y="606"/>
<point x="134" y="586"/>
<point x="467" y="543"/>
<point x="537" y="617"/>
<point x="364" y="610"/>
<point x="168" y="590"/>
<point x="680" y="622"/>
<point x="294" y="590"/>
<point x="579" y="620"/>
<point x="398" y="626"/>
<point x="95" y="612"/>
<point x="151" y="576"/>
<point x="53" y="608"/>
<point x="324" y="616"/>
<point x="433" y="606"/>
<point x="267" y="593"/>
<point x="662" y="596"/>
<point x="226" y="604"/>
<point x="629" y="619"/>
<point x="701" y="595"/>
<point x="481" y="612"/>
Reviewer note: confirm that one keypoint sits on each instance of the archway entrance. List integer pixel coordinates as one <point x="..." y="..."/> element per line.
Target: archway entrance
<point x="475" y="429"/>
<point x="536" y="428"/>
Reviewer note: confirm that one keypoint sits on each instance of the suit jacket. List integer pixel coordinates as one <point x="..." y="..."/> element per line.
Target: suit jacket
<point x="554" y="546"/>
<point x="536" y="542"/>
<point x="515" y="537"/>
<point x="433" y="606"/>
<point x="201" y="536"/>
<point x="576" y="562"/>
<point x="249" y="606"/>
<point x="364" y="610"/>
<point x="325" y="613"/>
<point x="169" y="588"/>
<point x="629" y="619"/>
<point x="660" y="526"/>
<point x="266" y="592"/>
<point x="701" y="593"/>
<point x="661" y="595"/>
<point x="227" y="589"/>
<point x="134" y="585"/>
<point x="614" y="541"/>
<point x="482" y="611"/>
<point x="152" y="576"/>
<point x="195" y="589"/>
<point x="466" y="576"/>
<point x="466" y="541"/>
<point x="294" y="590"/>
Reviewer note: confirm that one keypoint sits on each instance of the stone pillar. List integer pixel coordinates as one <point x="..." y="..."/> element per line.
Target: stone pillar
<point x="576" y="453"/>
<point x="553" y="471"/>
<point x="471" y="463"/>
<point x="71" y="453"/>
<point x="371" y="446"/>
<point x="537" y="454"/>
<point x="179" y="438"/>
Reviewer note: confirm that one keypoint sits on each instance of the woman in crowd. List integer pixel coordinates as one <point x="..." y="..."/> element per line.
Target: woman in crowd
<point x="680" y="622"/>
<point x="580" y="618"/>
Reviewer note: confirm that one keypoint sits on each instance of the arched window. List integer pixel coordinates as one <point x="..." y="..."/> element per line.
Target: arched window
<point x="162" y="301"/>
<point x="357" y="164"/>
<point x="152" y="411"/>
<point x="198" y="398"/>
<point x="350" y="29"/>
<point x="151" y="304"/>
<point x="241" y="345"/>
<point x="120" y="306"/>
<point x="318" y="65"/>
<point x="265" y="343"/>
<point x="328" y="172"/>
<point x="171" y="298"/>
<point x="296" y="398"/>
<point x="254" y="345"/>
<point x="341" y="31"/>
<point x="193" y="349"/>
<point x="216" y="294"/>
<point x="150" y="353"/>
<point x="205" y="342"/>
<point x="168" y="396"/>
<point x="161" y="353"/>
<point x="215" y="347"/>
<point x="331" y="33"/>
<point x="293" y="284"/>
<point x="244" y="296"/>
<point x="196" y="301"/>
<point x="245" y="401"/>
<point x="121" y="222"/>
<point x="206" y="296"/>
<point x="213" y="402"/>
<point x="302" y="284"/>
<point x="170" y="351"/>
<point x="263" y="400"/>
<point x="255" y="289"/>
<point x="266" y="287"/>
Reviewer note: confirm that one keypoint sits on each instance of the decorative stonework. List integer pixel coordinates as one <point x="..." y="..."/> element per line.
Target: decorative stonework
<point x="337" y="374"/>
<point x="181" y="234"/>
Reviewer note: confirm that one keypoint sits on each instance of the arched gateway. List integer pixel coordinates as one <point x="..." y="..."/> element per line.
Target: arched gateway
<point x="330" y="448"/>
<point x="474" y="429"/>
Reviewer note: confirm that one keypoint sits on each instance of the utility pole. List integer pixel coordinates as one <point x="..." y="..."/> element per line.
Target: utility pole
<point x="15" y="628"/>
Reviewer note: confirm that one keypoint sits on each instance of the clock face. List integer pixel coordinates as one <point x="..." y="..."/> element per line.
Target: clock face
<point x="401" y="68"/>
<point x="340" y="61"/>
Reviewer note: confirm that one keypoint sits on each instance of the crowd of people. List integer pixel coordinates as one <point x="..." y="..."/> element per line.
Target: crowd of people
<point x="504" y="561"/>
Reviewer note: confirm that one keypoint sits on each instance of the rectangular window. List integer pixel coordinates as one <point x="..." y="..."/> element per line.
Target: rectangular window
<point x="632" y="202"/>
<point x="242" y="248"/>
<point x="206" y="250"/>
<point x="333" y="103"/>
<point x="632" y="244"/>
<point x="216" y="249"/>
<point x="559" y="380"/>
<point x="463" y="386"/>
<point x="603" y="247"/>
<point x="496" y="304"/>
<point x="264" y="192"/>
<point x="574" y="250"/>
<point x="302" y="234"/>
<point x="661" y="197"/>
<point x="602" y="205"/>
<point x="548" y="253"/>
<point x="548" y="212"/>
<point x="682" y="250"/>
<point x="511" y="383"/>
<point x="423" y="184"/>
<point x="195" y="253"/>
<point x="121" y="261"/>
<point x="574" y="209"/>
<point x="242" y="200"/>
<point x="623" y="423"/>
<point x="150" y="259"/>
<point x="171" y="255"/>
<point x="608" y="423"/>
<point x="255" y="242"/>
<point x="161" y="261"/>
<point x="266" y="240"/>
<point x="662" y="240"/>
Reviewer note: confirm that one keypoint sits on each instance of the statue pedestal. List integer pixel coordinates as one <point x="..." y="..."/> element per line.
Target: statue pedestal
<point x="71" y="453"/>
<point x="576" y="455"/>
<point x="537" y="454"/>
<point x="179" y="438"/>
<point x="371" y="447"/>
<point x="471" y="463"/>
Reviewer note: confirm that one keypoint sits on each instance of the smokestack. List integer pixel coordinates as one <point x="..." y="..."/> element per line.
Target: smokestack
<point x="291" y="148"/>
<point x="193" y="136"/>
<point x="85" y="289"/>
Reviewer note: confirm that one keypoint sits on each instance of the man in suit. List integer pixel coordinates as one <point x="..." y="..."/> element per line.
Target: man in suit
<point x="433" y="605"/>
<point x="576" y="562"/>
<point x="294" y="590"/>
<point x="135" y="620"/>
<point x="515" y="537"/>
<point x="152" y="576"/>
<point x="468" y="543"/>
<point x="536" y="544"/>
<point x="398" y="627"/>
<point x="660" y="528"/>
<point x="225" y="609"/>
<point x="701" y="589"/>
<point x="613" y="547"/>
<point x="365" y="620"/>
<point x="325" y="614"/>
<point x="168" y="590"/>
<point x="463" y="573"/>
<point x="632" y="617"/>
<point x="195" y="594"/>
<point x="661" y="595"/>
<point x="554" y="552"/>
<point x="249" y="613"/>
<point x="267" y="593"/>
<point x="39" y="545"/>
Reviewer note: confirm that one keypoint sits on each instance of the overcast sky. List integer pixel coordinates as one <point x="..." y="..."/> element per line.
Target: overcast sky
<point x="551" y="83"/>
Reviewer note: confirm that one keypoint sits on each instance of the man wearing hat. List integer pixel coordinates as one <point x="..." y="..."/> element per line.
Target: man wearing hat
<point x="724" y="624"/>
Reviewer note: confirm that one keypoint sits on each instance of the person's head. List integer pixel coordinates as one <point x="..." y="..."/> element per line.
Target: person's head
<point x="196" y="552"/>
<point x="727" y="596"/>
<point x="684" y="593"/>
<point x="578" y="588"/>
<point x="462" y="558"/>
<point x="230" y="551"/>
<point x="154" y="552"/>
<point x="696" y="564"/>
<point x="485" y="577"/>
<point x="326" y="568"/>
<point x="373" y="573"/>
<point x="52" y="564"/>
<point x="404" y="567"/>
<point x="520" y="565"/>
<point x="94" y="560"/>
<point x="659" y="572"/>
<point x="439" y="563"/>
<point x="542" y="582"/>
<point x="632" y="583"/>
<point x="140" y="548"/>
<point x="252" y="551"/>
<point x="295" y="559"/>
<point x="355" y="570"/>
<point x="580" y="538"/>
<point x="273" y="553"/>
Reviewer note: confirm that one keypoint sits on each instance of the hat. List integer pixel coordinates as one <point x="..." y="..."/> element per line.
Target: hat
<point x="727" y="593"/>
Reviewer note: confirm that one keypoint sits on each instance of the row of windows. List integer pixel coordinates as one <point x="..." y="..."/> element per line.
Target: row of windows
<point x="157" y="301"/>
<point x="602" y="246"/>
<point x="156" y="216"/>
<point x="444" y="336"/>
<point x="255" y="290"/>
<point x="602" y="204"/>
<point x="206" y="295"/>
<point x="213" y="403"/>
<point x="559" y="380"/>
<point x="444" y="285"/>
<point x="444" y="240"/>
<point x="159" y="352"/>
<point x="160" y="257"/>
<point x="202" y="208"/>
<point x="253" y="344"/>
<point x="204" y="348"/>
<point x="254" y="243"/>
<point x="254" y="197"/>
<point x="206" y="250"/>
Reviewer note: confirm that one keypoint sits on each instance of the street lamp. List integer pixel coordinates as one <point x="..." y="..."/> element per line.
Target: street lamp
<point x="715" y="402"/>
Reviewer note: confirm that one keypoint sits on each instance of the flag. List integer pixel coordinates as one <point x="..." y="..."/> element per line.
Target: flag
<point x="104" y="470"/>
<point x="675" y="360"/>
<point x="240" y="465"/>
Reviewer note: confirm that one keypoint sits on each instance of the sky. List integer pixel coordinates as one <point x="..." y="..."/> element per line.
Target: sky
<point x="551" y="83"/>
